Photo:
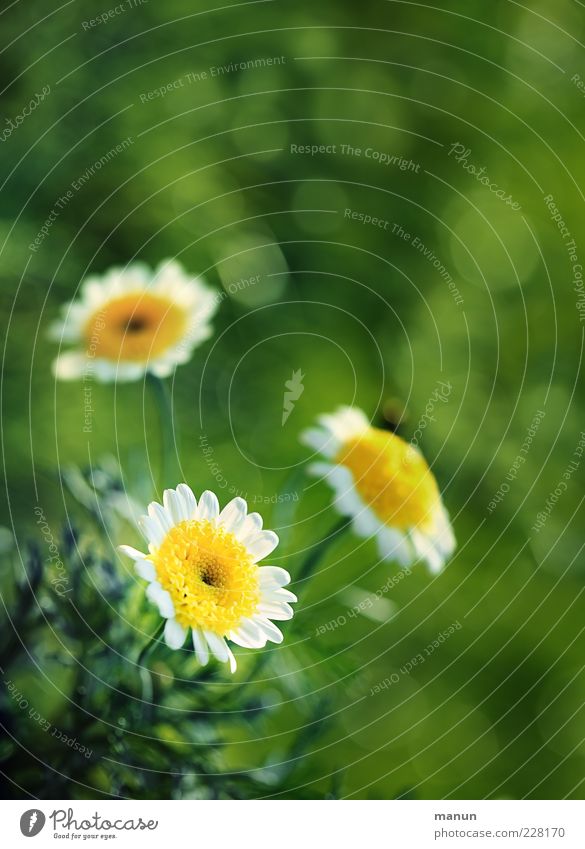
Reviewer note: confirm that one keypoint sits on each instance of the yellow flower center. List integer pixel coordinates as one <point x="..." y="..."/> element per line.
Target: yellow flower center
<point x="392" y="478"/>
<point x="209" y="574"/>
<point x="134" y="327"/>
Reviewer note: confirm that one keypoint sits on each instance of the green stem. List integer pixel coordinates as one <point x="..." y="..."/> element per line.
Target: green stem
<point x="151" y="642"/>
<point x="162" y="399"/>
<point x="144" y="672"/>
<point x="312" y="560"/>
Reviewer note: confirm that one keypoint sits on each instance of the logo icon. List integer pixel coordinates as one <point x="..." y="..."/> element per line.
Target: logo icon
<point x="32" y="822"/>
<point x="295" y="390"/>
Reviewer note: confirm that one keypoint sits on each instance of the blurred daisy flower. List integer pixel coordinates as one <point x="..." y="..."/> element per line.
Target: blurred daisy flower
<point x="133" y="320"/>
<point x="203" y="576"/>
<point x="385" y="485"/>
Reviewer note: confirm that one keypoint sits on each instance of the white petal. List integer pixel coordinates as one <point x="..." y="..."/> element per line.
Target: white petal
<point x="131" y="552"/>
<point x="189" y="501"/>
<point x="158" y="514"/>
<point x="274" y="594"/>
<point x="173" y="504"/>
<point x="320" y="470"/>
<point x="200" y="646"/>
<point x="281" y="611"/>
<point x="208" y="507"/>
<point x="58" y="329"/>
<point x="121" y="372"/>
<point x="394" y="545"/>
<point x="92" y="292"/>
<point x="261" y="545"/>
<point x="217" y="645"/>
<point x="162" y="599"/>
<point x="174" y="634"/>
<point x="248" y="635"/>
<point x="365" y="523"/>
<point x="145" y="569"/>
<point x="104" y="371"/>
<point x="196" y="334"/>
<point x="233" y="515"/>
<point x="232" y="660"/>
<point x="349" y="503"/>
<point x="161" y="368"/>
<point x="151" y="530"/>
<point x="443" y="537"/>
<point x="426" y="551"/>
<point x="70" y="365"/>
<point x="352" y="421"/>
<point x="273" y="576"/>
<point x="341" y="478"/>
<point x="250" y="527"/>
<point x="321" y="440"/>
<point x="345" y="423"/>
<point x="273" y="633"/>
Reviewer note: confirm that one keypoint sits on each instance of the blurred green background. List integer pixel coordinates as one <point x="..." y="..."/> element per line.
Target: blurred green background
<point x="208" y="175"/>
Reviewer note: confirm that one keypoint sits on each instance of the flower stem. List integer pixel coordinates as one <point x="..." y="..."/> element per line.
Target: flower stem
<point x="162" y="399"/>
<point x="311" y="562"/>
<point x="145" y="676"/>
<point x="151" y="642"/>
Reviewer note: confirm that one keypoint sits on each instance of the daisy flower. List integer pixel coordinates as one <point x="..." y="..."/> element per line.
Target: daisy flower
<point x="133" y="320"/>
<point x="203" y="576"/>
<point x="385" y="486"/>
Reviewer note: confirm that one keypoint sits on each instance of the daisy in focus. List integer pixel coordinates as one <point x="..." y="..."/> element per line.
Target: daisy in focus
<point x="203" y="576"/>
<point x="133" y="320"/>
<point x="385" y="486"/>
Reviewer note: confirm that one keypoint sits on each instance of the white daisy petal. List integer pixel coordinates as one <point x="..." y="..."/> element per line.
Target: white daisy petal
<point x="394" y="545"/>
<point x="261" y="545"/>
<point x="173" y="504"/>
<point x="162" y="599"/>
<point x="249" y="527"/>
<point x="131" y="552"/>
<point x="248" y="635"/>
<point x="443" y="536"/>
<point x="107" y="371"/>
<point x="281" y="611"/>
<point x="365" y="523"/>
<point x="160" y="369"/>
<point x="189" y="501"/>
<point x="320" y="470"/>
<point x="340" y="478"/>
<point x="273" y="576"/>
<point x="208" y="509"/>
<point x="174" y="634"/>
<point x="200" y="646"/>
<point x="151" y="530"/>
<point x="217" y="645"/>
<point x="71" y="365"/>
<point x="349" y="503"/>
<point x="426" y="550"/>
<point x="320" y="440"/>
<point x="231" y="659"/>
<point x="278" y="595"/>
<point x="233" y="515"/>
<point x="160" y="515"/>
<point x="273" y="633"/>
<point x="145" y="569"/>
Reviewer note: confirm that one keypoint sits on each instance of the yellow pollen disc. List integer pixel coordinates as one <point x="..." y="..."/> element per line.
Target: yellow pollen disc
<point x="209" y="574"/>
<point x="135" y="327"/>
<point x="392" y="478"/>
